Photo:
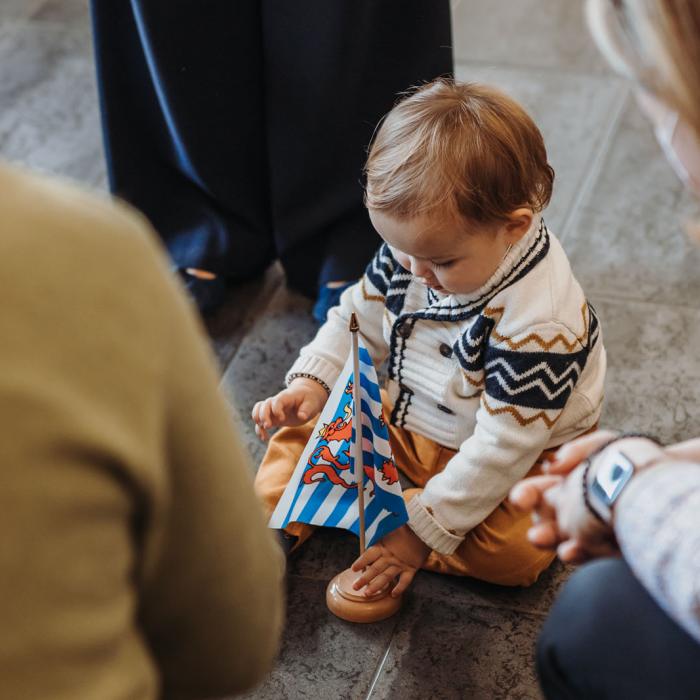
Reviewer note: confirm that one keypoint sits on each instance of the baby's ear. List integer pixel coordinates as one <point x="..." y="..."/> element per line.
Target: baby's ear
<point x="518" y="224"/>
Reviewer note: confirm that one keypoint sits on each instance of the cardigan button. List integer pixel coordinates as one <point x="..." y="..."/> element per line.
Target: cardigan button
<point x="404" y="329"/>
<point x="444" y="409"/>
<point x="445" y="350"/>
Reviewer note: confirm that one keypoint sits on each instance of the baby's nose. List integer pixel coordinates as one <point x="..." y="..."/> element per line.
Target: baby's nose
<point x="419" y="267"/>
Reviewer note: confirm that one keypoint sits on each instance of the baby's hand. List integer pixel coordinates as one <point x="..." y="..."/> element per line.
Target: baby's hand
<point x="301" y="400"/>
<point x="400" y="553"/>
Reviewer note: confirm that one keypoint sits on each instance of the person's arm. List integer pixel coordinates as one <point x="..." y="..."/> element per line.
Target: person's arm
<point x="657" y="523"/>
<point x="656" y="519"/>
<point x="326" y="354"/>
<point x="212" y="599"/>
<point x="688" y="450"/>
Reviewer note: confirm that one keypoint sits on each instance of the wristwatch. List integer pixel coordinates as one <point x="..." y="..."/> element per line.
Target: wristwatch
<point x="603" y="485"/>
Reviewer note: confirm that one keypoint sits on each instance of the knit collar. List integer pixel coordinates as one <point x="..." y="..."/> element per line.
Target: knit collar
<point x="519" y="260"/>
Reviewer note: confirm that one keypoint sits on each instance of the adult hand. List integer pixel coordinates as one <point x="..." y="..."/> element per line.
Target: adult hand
<point x="561" y="518"/>
<point x="399" y="554"/>
<point x="299" y="402"/>
<point x="570" y="455"/>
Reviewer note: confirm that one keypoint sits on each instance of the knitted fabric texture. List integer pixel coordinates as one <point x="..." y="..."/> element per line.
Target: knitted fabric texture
<point x="499" y="374"/>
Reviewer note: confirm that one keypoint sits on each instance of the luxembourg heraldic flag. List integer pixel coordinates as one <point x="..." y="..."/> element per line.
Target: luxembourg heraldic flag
<point x="323" y="490"/>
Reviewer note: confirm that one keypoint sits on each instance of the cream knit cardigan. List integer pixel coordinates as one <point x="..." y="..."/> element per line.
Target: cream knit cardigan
<point x="499" y="374"/>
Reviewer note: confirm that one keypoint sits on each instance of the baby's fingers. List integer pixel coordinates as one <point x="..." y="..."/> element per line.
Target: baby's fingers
<point x="370" y="555"/>
<point x="372" y="572"/>
<point x="278" y="408"/>
<point x="256" y="415"/>
<point x="403" y="583"/>
<point x="383" y="580"/>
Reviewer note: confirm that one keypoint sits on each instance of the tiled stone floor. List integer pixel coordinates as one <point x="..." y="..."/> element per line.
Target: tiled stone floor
<point x="619" y="212"/>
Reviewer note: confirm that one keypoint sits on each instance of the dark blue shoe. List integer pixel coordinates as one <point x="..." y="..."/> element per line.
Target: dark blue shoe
<point x="207" y="289"/>
<point x="328" y="297"/>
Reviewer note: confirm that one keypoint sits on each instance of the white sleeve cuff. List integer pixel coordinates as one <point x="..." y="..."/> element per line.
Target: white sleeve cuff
<point x="421" y="521"/>
<point x="316" y="366"/>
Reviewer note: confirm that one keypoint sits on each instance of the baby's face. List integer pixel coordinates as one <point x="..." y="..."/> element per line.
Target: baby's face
<point x="450" y="256"/>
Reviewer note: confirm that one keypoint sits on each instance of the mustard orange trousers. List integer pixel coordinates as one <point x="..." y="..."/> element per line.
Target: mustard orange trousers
<point x="496" y="550"/>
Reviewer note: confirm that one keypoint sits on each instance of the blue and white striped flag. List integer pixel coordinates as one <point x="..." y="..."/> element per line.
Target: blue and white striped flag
<point x="322" y="490"/>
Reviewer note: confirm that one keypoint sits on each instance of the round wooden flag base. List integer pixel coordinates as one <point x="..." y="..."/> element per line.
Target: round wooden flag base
<point x="354" y="606"/>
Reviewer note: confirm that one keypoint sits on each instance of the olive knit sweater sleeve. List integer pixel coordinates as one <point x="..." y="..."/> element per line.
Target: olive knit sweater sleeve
<point x="135" y="560"/>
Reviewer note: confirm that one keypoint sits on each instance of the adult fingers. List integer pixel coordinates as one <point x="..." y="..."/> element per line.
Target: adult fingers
<point x="544" y="535"/>
<point x="571" y="454"/>
<point x="572" y="552"/>
<point x="527" y="494"/>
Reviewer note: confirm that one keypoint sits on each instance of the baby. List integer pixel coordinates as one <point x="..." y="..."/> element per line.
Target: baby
<point x="495" y="357"/>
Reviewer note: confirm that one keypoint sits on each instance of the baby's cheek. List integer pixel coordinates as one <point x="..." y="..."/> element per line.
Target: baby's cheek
<point x="402" y="259"/>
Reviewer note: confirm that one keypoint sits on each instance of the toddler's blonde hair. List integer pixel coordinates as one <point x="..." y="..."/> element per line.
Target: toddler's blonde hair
<point x="457" y="148"/>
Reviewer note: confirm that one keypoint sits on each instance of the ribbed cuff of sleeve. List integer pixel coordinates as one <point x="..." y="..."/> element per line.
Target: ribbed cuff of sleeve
<point x="316" y="366"/>
<point x="429" y="529"/>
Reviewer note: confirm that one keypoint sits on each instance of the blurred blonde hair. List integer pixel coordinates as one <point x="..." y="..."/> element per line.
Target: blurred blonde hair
<point x="459" y="148"/>
<point x="656" y="43"/>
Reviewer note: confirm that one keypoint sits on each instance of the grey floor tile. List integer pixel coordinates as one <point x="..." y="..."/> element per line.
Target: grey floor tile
<point x="536" y="599"/>
<point x="63" y="11"/>
<point x="244" y="303"/>
<point x="450" y="650"/>
<point x="263" y="358"/>
<point x="653" y="379"/>
<point x="325" y="554"/>
<point x="531" y="33"/>
<point x="323" y="657"/>
<point x="629" y="241"/>
<point x="49" y="118"/>
<point x="19" y="9"/>
<point x="574" y="113"/>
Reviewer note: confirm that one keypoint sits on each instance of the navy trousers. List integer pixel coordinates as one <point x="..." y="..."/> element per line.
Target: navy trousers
<point x="606" y="638"/>
<point x="240" y="127"/>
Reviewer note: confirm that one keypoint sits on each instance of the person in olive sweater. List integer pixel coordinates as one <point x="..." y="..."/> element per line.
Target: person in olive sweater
<point x="135" y="560"/>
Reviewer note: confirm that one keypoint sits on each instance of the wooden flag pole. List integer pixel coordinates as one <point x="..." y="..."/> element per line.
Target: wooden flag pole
<point x="341" y="597"/>
<point x="357" y="425"/>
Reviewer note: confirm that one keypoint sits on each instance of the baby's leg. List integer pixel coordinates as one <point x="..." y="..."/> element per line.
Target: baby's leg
<point x="497" y="550"/>
<point x="276" y="469"/>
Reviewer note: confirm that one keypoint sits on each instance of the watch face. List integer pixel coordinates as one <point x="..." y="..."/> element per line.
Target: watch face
<point x="611" y="478"/>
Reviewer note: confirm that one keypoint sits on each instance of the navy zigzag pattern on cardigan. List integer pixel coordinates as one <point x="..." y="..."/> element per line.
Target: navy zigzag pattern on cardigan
<point x="538" y="380"/>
